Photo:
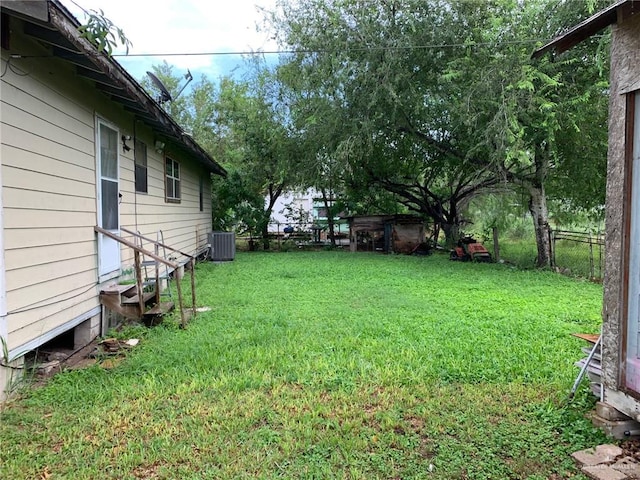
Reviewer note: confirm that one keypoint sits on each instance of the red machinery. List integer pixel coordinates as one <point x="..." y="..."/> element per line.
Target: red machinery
<point x="469" y="249"/>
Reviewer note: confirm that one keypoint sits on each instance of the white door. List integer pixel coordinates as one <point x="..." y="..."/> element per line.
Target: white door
<point x="632" y="373"/>
<point x="108" y="192"/>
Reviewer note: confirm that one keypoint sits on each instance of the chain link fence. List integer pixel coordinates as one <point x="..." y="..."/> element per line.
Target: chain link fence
<point x="288" y="236"/>
<point x="573" y="253"/>
<point x="578" y="253"/>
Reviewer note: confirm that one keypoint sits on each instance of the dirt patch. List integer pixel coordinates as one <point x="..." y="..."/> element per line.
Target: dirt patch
<point x="631" y="448"/>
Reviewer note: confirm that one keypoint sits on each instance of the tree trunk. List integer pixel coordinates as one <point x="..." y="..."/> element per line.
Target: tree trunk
<point x="265" y="236"/>
<point x="329" y="208"/>
<point x="540" y="215"/>
<point x="273" y="194"/>
<point x="451" y="233"/>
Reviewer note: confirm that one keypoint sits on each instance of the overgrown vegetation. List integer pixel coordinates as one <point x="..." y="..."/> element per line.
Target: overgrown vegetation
<point x="329" y="365"/>
<point x="411" y="107"/>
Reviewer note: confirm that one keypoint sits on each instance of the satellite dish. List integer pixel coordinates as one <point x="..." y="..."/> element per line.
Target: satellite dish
<point x="165" y="96"/>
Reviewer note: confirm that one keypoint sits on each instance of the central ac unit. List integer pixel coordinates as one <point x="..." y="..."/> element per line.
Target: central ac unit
<point x="223" y="246"/>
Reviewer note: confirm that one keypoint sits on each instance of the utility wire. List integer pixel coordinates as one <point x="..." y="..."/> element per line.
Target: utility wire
<point x="56" y="300"/>
<point x="319" y="50"/>
<point x="327" y="50"/>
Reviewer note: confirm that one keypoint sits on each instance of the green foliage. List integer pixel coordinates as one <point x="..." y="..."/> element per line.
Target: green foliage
<point x="236" y="205"/>
<point x="102" y="32"/>
<point x="359" y="365"/>
<point x="259" y="144"/>
<point x="438" y="102"/>
<point x="297" y="215"/>
<point x="244" y="125"/>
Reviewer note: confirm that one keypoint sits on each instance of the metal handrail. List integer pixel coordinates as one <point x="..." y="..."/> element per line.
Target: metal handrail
<point x="156" y="242"/>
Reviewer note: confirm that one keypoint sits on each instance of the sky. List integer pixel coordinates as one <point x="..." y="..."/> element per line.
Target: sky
<point x="185" y="26"/>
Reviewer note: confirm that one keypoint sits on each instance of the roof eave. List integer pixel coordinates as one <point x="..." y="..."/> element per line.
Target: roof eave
<point x="590" y="27"/>
<point x="146" y="107"/>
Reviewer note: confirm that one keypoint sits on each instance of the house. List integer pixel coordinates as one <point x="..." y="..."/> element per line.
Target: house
<point x="304" y="210"/>
<point x="620" y="337"/>
<point x="292" y="208"/>
<point x="386" y="233"/>
<point x="84" y="148"/>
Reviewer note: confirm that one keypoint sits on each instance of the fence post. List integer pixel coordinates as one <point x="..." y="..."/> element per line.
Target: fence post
<point x="552" y="246"/>
<point x="600" y="265"/>
<point x="591" y="268"/>
<point x="496" y="245"/>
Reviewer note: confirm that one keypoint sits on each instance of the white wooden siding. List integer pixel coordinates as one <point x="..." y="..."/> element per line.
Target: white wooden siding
<point x="64" y="311"/>
<point x="184" y="227"/>
<point x="49" y="195"/>
<point x="48" y="178"/>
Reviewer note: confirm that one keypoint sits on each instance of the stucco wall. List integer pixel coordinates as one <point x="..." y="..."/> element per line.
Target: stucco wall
<point x="625" y="69"/>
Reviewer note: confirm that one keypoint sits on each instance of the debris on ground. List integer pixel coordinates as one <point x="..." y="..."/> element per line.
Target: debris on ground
<point x="107" y="352"/>
<point x="111" y="346"/>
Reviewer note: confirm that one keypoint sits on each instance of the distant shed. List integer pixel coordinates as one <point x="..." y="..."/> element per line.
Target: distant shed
<point x="386" y="233"/>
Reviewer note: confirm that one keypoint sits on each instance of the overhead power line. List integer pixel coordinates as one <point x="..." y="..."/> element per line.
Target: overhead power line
<point x="328" y="50"/>
<point x="320" y="50"/>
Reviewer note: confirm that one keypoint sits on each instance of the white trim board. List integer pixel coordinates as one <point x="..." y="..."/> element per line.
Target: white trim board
<point x="3" y="282"/>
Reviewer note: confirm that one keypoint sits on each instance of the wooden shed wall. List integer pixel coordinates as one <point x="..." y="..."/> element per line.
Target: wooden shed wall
<point x="406" y="232"/>
<point x="407" y="236"/>
<point x="625" y="69"/>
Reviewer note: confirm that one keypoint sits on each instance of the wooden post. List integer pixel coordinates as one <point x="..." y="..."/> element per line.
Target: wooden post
<point x="157" y="251"/>
<point x="496" y="245"/>
<point x="136" y="256"/>
<point x="193" y="286"/>
<point x="600" y="265"/>
<point x="179" y="289"/>
<point x="552" y="248"/>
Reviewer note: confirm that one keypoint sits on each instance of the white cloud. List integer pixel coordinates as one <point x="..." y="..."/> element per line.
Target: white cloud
<point x="185" y="26"/>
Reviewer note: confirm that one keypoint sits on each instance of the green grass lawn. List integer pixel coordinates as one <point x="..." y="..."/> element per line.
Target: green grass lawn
<point x="322" y="365"/>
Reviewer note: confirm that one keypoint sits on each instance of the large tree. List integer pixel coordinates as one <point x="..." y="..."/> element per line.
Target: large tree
<point x="244" y="124"/>
<point x="536" y="120"/>
<point x="378" y="65"/>
<point x="441" y="98"/>
<point x="253" y="116"/>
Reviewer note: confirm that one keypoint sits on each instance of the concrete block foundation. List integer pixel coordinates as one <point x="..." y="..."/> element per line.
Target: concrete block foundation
<point x="87" y="331"/>
<point x="11" y="375"/>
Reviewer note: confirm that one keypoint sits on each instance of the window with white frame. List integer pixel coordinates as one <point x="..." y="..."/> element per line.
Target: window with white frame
<point x="172" y="180"/>
<point x="140" y="156"/>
